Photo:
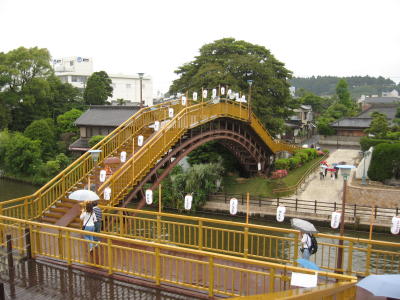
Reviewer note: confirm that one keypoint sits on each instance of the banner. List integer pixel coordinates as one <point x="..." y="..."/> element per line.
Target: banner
<point x="395" y="228"/>
<point x="233" y="206"/>
<point x="335" y="219"/>
<point x="122" y="156"/>
<point x="107" y="193"/>
<point x="149" y="197"/>
<point x="188" y="202"/>
<point x="103" y="174"/>
<point x="280" y="213"/>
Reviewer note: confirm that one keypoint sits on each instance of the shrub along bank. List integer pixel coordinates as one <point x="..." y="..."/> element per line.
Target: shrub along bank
<point x="385" y="162"/>
<point x="299" y="158"/>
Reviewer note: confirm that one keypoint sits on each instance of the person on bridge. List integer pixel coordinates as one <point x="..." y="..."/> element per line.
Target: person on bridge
<point x="88" y="218"/>
<point x="306" y="243"/>
<point x="97" y="224"/>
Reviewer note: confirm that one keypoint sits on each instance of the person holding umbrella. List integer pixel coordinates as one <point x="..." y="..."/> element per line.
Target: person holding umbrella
<point x="88" y="218"/>
<point x="305" y="245"/>
<point x="308" y="241"/>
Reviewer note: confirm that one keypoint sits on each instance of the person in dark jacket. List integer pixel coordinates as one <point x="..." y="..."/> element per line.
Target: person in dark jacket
<point x="97" y="225"/>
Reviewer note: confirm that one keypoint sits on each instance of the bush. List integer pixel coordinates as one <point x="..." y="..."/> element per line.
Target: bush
<point x="302" y="156"/>
<point x="366" y="142"/>
<point x="294" y="162"/>
<point x="95" y="139"/>
<point x="282" y="164"/>
<point x="385" y="162"/>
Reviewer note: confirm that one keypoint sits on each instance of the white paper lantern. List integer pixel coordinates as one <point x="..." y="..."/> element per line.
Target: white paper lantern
<point x="170" y="112"/>
<point x="183" y="100"/>
<point x="280" y="213"/>
<point x="335" y="219"/>
<point x="243" y="98"/>
<point x="259" y="166"/>
<point x="188" y="202"/>
<point x="107" y="193"/>
<point x="233" y="206"/>
<point x="222" y="91"/>
<point x="395" y="228"/>
<point x="237" y="96"/>
<point x="122" y="156"/>
<point x="195" y="96"/>
<point x="204" y="93"/>
<point x="140" y="140"/>
<point x="149" y="197"/>
<point x="157" y="125"/>
<point x="214" y="93"/>
<point x="103" y="174"/>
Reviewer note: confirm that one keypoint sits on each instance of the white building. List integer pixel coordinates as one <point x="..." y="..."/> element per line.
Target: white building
<point x="76" y="70"/>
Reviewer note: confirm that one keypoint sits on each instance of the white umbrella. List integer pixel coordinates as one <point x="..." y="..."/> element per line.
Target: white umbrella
<point x="83" y="195"/>
<point x="303" y="225"/>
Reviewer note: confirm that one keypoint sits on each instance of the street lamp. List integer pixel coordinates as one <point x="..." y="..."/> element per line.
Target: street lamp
<point x="250" y="82"/>
<point x="95" y="154"/>
<point x="345" y="170"/>
<point x="364" y="177"/>
<point x="140" y="80"/>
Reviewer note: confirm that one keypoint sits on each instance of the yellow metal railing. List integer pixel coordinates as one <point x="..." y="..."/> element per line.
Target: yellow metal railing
<point x="361" y="256"/>
<point x="33" y="206"/>
<point x="341" y="290"/>
<point x="207" y="272"/>
<point x="191" y="116"/>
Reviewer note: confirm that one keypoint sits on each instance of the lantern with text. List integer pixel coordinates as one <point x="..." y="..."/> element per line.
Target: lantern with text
<point x="140" y="140"/>
<point x="222" y="91"/>
<point x="280" y="213"/>
<point x="204" y="93"/>
<point x="149" y="197"/>
<point x="335" y="219"/>
<point x="107" y="193"/>
<point x="170" y="112"/>
<point x="233" y="206"/>
<point x="188" y="202"/>
<point x="259" y="166"/>
<point x="122" y="156"/>
<point x="395" y="228"/>
<point x="214" y="93"/>
<point x="157" y="125"/>
<point x="103" y="174"/>
<point x="183" y="100"/>
<point x="194" y="96"/>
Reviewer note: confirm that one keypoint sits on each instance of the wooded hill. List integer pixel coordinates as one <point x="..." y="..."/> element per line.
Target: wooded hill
<point x="358" y="85"/>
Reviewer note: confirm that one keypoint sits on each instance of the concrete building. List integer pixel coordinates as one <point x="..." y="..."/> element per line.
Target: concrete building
<point x="76" y="70"/>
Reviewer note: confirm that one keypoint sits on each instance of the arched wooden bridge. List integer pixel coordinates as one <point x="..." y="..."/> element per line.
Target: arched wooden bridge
<point x="182" y="129"/>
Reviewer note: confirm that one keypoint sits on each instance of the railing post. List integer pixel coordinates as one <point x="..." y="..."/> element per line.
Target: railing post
<point x="110" y="257"/>
<point x="10" y="259"/>
<point x="368" y="260"/>
<point x="26" y="209"/>
<point x="315" y="206"/>
<point x="2" y="292"/>
<point x="200" y="235"/>
<point x="40" y="208"/>
<point x="296" y="249"/>
<point x="60" y="245"/>
<point x="271" y="280"/>
<point x="334" y="206"/>
<point x="211" y="277"/>
<point x="376" y="211"/>
<point x="159" y="228"/>
<point x="158" y="266"/>
<point x="68" y="246"/>
<point x="296" y="203"/>
<point x="246" y="242"/>
<point x="121" y="224"/>
<point x="350" y="259"/>
<point x="28" y="247"/>
<point x="225" y="196"/>
<point x="277" y="201"/>
<point x="242" y="199"/>
<point x="355" y="210"/>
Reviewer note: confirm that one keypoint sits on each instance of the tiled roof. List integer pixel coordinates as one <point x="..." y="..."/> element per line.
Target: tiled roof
<point x="353" y="122"/>
<point x="381" y="100"/>
<point x="80" y="144"/>
<point x="106" y="115"/>
<point x="389" y="111"/>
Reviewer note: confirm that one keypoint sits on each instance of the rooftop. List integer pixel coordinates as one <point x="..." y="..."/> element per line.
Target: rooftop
<point x="382" y="100"/>
<point x="106" y="115"/>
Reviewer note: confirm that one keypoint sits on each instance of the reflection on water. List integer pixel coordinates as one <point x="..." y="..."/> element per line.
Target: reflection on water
<point x="39" y="280"/>
<point x="10" y="189"/>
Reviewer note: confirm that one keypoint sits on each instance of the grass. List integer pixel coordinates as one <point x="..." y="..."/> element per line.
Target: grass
<point x="264" y="186"/>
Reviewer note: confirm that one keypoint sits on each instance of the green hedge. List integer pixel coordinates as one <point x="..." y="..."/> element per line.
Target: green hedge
<point x="385" y="162"/>
<point x="366" y="142"/>
<point x="282" y="164"/>
<point x="299" y="158"/>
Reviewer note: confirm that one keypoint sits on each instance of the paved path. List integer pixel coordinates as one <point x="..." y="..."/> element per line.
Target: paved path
<point x="328" y="190"/>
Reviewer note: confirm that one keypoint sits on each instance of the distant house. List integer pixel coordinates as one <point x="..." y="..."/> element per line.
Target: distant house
<point x="300" y="125"/>
<point x="100" y="120"/>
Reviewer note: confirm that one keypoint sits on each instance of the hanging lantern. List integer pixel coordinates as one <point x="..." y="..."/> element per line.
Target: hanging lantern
<point x="122" y="156"/>
<point x="243" y="98"/>
<point x="222" y="91"/>
<point x="233" y="206"/>
<point x="157" y="125"/>
<point x="107" y="193"/>
<point x="194" y="96"/>
<point x="259" y="166"/>
<point x="183" y="100"/>
<point x="335" y="219"/>
<point x="214" y="93"/>
<point x="280" y="213"/>
<point x="170" y="112"/>
<point x="140" y="140"/>
<point x="188" y="202"/>
<point x="237" y="96"/>
<point x="395" y="228"/>
<point x="204" y="93"/>
<point x="149" y="197"/>
<point x="103" y="174"/>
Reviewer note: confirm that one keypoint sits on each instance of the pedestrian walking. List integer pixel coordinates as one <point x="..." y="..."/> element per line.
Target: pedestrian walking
<point x="99" y="215"/>
<point x="305" y="244"/>
<point x="88" y="218"/>
<point x="326" y="171"/>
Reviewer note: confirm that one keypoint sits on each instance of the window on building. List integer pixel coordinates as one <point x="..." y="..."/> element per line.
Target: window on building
<point x="74" y="78"/>
<point x="128" y="85"/>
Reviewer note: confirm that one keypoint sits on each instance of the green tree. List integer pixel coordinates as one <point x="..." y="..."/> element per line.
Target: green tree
<point x="342" y="91"/>
<point x="317" y="103"/>
<point x="98" y="89"/>
<point x="379" y="125"/>
<point x="232" y="63"/>
<point x="65" y="122"/>
<point x="22" y="155"/>
<point x="95" y="139"/>
<point x="43" y="131"/>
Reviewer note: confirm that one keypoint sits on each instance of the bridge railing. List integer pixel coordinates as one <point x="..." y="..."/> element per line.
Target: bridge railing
<point x="33" y="206"/>
<point x="211" y="273"/>
<point x="361" y="256"/>
<point x="156" y="147"/>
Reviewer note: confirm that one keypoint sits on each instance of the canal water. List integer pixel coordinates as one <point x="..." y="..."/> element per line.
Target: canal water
<point x="10" y="189"/>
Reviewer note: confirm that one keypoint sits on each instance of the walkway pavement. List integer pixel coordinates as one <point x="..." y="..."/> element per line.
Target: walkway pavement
<point x="328" y="190"/>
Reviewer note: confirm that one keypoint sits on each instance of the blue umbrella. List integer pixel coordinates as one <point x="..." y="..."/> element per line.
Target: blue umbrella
<point x="382" y="285"/>
<point x="305" y="263"/>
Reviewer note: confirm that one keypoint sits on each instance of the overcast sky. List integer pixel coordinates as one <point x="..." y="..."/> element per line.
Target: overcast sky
<point x="312" y="37"/>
